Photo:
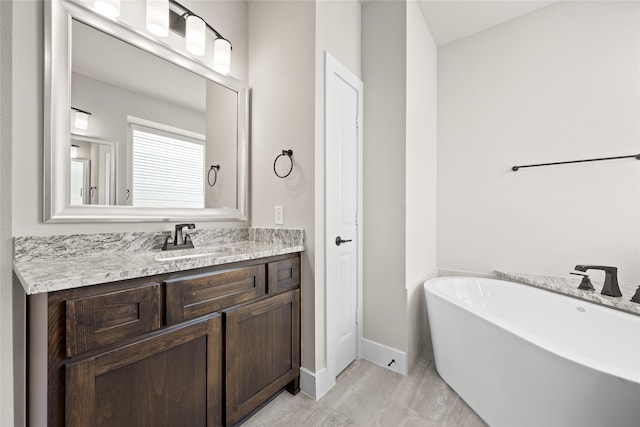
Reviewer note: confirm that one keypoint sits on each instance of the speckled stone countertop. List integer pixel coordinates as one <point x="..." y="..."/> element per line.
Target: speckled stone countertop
<point x="569" y="286"/>
<point x="52" y="263"/>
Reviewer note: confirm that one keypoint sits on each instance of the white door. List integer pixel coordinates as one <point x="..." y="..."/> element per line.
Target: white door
<point x="343" y="100"/>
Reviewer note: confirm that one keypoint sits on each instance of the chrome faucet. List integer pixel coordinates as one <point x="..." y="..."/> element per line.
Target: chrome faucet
<point x="610" y="287"/>
<point x="179" y="242"/>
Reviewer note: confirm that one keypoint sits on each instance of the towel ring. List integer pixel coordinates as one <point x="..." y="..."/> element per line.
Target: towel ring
<point x="288" y="153"/>
<point x="215" y="169"/>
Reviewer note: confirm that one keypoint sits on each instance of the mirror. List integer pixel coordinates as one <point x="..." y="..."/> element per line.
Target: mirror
<point x="137" y="131"/>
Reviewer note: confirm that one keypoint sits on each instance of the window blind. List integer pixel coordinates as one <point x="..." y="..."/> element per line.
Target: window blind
<point x="167" y="169"/>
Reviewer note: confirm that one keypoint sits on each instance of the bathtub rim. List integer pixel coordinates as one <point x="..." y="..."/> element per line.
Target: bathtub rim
<point x="430" y="288"/>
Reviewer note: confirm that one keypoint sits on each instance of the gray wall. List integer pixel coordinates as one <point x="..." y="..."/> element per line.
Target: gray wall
<point x="282" y="81"/>
<point x="11" y="408"/>
<point x="384" y="75"/>
<point x="399" y="71"/>
<point x="287" y="45"/>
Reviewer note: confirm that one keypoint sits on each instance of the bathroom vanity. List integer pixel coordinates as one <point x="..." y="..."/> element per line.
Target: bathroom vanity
<point x="201" y="346"/>
<point x="121" y="333"/>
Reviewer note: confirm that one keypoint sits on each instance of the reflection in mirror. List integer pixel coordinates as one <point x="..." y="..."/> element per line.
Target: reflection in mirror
<point x="170" y="125"/>
<point x="93" y="171"/>
<point x="79" y="181"/>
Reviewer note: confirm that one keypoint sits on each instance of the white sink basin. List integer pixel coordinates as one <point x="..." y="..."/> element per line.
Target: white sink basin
<point x="174" y="257"/>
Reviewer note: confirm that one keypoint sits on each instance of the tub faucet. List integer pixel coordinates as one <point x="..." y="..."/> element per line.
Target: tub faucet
<point x="179" y="242"/>
<point x="610" y="287"/>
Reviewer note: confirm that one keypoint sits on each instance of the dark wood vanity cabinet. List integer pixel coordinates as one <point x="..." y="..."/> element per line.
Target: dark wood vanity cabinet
<point x="204" y="347"/>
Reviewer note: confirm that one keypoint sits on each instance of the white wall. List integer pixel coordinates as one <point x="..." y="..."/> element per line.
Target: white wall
<point x="561" y="83"/>
<point x="421" y="172"/>
<point x="281" y="57"/>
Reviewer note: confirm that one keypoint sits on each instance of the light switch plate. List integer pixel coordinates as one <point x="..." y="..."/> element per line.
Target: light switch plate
<point x="279" y="215"/>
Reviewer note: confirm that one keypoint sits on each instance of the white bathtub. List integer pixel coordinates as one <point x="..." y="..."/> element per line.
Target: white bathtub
<point x="521" y="356"/>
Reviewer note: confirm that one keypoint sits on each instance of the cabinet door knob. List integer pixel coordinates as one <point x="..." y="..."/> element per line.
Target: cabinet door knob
<point x="339" y="241"/>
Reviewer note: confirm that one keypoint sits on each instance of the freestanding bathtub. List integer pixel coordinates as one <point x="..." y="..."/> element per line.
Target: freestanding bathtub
<point x="522" y="356"/>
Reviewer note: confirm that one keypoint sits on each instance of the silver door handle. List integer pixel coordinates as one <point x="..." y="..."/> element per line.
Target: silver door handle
<point x="339" y="241"/>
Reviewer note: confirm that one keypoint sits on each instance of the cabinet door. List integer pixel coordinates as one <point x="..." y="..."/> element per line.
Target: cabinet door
<point x="167" y="379"/>
<point x="262" y="352"/>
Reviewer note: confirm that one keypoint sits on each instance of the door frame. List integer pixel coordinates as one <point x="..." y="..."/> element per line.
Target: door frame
<point x="333" y="66"/>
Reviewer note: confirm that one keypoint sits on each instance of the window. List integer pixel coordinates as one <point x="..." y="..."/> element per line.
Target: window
<point x="167" y="170"/>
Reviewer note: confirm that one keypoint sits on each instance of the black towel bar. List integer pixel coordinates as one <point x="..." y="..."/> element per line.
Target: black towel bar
<point x="636" y="156"/>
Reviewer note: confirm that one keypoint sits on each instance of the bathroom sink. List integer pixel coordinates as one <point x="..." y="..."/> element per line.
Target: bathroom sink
<point x="183" y="256"/>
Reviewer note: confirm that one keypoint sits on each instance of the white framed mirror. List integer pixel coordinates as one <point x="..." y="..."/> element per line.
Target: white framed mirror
<point x="153" y="125"/>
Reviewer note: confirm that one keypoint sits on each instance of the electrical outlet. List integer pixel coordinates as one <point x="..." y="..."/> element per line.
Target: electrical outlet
<point x="279" y="215"/>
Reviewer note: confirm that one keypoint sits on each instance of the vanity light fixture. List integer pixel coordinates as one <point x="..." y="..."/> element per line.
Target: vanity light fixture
<point x="81" y="119"/>
<point x="194" y="29"/>
<point x="108" y="8"/>
<point x="158" y="17"/>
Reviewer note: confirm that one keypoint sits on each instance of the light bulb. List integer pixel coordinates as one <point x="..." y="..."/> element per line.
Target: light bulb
<point x="195" y="35"/>
<point x="158" y="17"/>
<point x="222" y="56"/>
<point x="108" y="8"/>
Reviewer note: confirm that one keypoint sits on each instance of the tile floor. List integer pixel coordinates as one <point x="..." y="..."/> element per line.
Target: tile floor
<point x="369" y="395"/>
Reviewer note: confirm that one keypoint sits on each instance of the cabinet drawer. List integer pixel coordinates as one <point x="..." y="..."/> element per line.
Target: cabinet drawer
<point x="104" y="319"/>
<point x="194" y="296"/>
<point x="284" y="275"/>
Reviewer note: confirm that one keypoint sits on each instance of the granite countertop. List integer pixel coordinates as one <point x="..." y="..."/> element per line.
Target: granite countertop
<point x="569" y="286"/>
<point x="52" y="263"/>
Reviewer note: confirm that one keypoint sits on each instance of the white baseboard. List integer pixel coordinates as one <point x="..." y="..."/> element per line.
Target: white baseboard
<point x="382" y="355"/>
<point x="315" y="385"/>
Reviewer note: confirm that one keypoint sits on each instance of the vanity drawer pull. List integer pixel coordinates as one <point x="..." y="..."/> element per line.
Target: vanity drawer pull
<point x="197" y="295"/>
<point x="111" y="317"/>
